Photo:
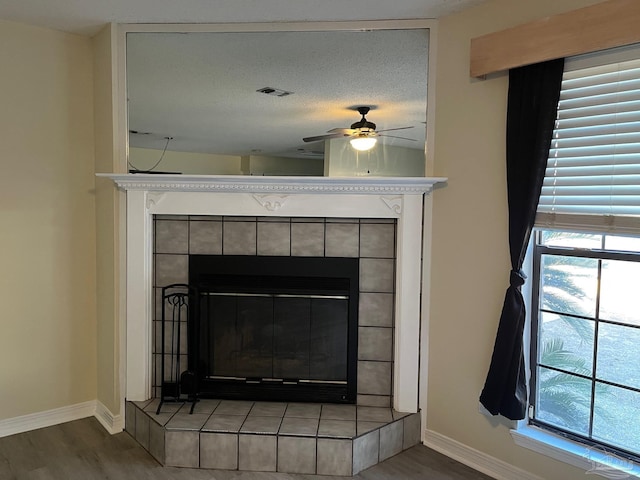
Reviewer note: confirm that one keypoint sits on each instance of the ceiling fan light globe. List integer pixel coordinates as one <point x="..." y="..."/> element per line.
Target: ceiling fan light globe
<point x="363" y="143"/>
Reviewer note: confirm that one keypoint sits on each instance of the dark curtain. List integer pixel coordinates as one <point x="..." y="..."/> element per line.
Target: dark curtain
<point x="533" y="96"/>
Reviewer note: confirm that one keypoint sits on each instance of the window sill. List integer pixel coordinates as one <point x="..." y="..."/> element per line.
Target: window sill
<point x="590" y="459"/>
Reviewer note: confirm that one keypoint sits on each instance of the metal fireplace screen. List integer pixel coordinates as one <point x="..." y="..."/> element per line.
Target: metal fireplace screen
<point x="275" y="328"/>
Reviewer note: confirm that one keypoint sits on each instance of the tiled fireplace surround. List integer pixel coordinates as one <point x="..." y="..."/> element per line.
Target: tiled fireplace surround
<point x="372" y="240"/>
<point x="379" y="221"/>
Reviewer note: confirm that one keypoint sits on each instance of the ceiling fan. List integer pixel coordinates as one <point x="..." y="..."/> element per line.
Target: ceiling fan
<point x="362" y="133"/>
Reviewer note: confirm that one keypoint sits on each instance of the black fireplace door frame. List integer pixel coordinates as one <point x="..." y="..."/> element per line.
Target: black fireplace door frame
<point x="323" y="276"/>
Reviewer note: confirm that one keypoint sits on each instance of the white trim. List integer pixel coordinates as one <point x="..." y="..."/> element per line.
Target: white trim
<point x="475" y="459"/>
<point x="589" y="459"/>
<point x="33" y="421"/>
<point x="273" y="185"/>
<point x="355" y="25"/>
<point x="111" y="423"/>
<point x="425" y="309"/>
<point x="139" y="297"/>
<point x="406" y="361"/>
<point x="120" y="354"/>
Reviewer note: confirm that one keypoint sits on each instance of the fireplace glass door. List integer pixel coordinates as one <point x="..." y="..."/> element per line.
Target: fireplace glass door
<point x="276" y="328"/>
<point x="283" y="337"/>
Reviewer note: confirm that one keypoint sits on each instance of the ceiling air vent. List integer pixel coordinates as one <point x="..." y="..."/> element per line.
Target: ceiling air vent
<point x="276" y="92"/>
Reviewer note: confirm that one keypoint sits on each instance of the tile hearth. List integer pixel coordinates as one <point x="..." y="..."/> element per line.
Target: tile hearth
<point x="324" y="439"/>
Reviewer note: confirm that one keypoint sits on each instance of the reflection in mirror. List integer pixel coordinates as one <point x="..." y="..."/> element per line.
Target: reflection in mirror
<point x="277" y="103"/>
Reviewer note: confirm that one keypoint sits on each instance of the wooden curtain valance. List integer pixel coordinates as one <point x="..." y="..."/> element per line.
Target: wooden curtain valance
<point x="609" y="24"/>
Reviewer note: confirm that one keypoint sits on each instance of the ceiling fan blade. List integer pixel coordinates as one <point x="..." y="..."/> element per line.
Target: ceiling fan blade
<point x="391" y="129"/>
<point x="325" y="137"/>
<point x="394" y="136"/>
<point x="346" y="131"/>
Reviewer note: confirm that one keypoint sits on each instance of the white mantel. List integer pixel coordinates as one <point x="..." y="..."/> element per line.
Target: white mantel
<point x="288" y="184"/>
<point x="403" y="199"/>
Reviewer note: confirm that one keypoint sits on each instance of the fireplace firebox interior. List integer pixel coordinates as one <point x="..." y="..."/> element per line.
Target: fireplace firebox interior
<point x="274" y="328"/>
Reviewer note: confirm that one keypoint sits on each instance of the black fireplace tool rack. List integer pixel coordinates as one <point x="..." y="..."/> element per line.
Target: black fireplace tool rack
<point x="178" y="382"/>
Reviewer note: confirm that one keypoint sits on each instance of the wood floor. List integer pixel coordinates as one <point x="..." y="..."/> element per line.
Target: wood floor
<point x="83" y="450"/>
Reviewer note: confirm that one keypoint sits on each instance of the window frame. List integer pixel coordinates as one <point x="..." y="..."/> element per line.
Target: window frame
<point x="600" y="254"/>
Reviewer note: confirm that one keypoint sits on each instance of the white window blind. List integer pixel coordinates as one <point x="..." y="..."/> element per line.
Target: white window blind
<point x="592" y="180"/>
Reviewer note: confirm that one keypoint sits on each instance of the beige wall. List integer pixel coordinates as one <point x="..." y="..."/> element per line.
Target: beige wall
<point x="263" y="165"/>
<point x="470" y="266"/>
<point x="211" y="164"/>
<point x="184" y="162"/>
<point x="47" y="233"/>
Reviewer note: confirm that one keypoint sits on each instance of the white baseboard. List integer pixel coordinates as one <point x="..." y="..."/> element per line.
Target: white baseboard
<point x="475" y="459"/>
<point x="33" y="421"/>
<point x="111" y="423"/>
<point x="93" y="408"/>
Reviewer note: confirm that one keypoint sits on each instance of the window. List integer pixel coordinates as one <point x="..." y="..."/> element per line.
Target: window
<point x="587" y="323"/>
<point x="585" y="349"/>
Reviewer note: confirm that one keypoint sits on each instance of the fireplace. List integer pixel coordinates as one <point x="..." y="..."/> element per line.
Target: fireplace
<point x="407" y="201"/>
<point x="274" y="327"/>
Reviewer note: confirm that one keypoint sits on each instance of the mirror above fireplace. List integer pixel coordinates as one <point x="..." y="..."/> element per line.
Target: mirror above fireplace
<point x="237" y="97"/>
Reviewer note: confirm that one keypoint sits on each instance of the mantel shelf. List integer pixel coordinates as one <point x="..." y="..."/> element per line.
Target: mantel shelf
<point x="289" y="185"/>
